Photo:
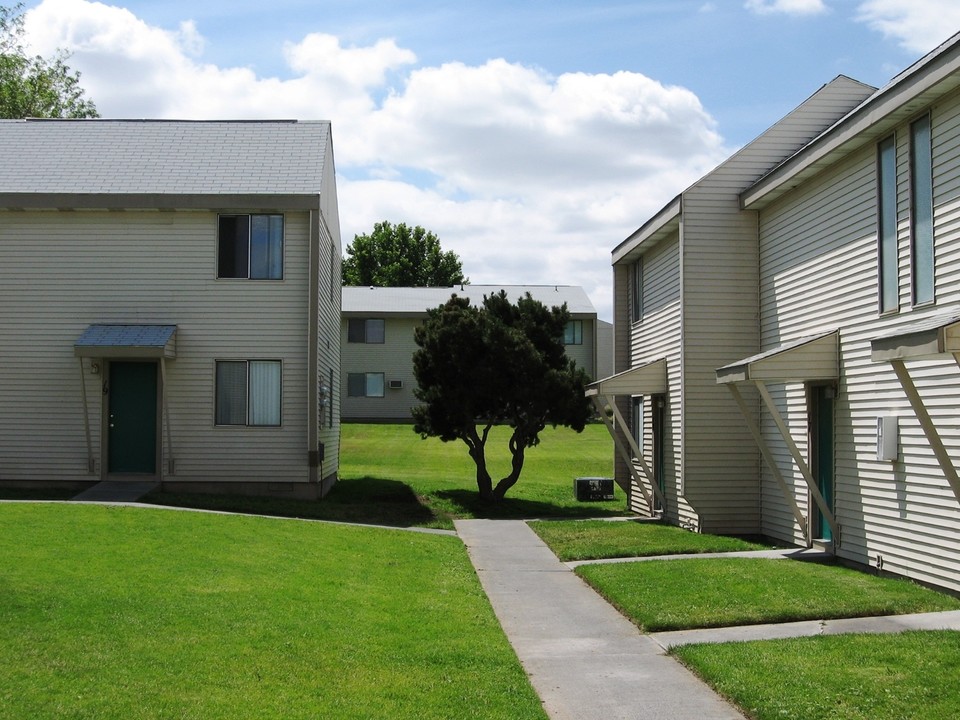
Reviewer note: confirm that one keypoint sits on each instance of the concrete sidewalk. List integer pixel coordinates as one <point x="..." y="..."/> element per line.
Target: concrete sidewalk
<point x="584" y="659"/>
<point x="120" y="491"/>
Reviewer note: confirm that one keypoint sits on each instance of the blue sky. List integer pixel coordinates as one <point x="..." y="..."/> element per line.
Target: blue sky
<point x="531" y="136"/>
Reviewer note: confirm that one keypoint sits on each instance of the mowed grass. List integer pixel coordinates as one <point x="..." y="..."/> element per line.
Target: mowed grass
<point x="840" y="677"/>
<point x="111" y="612"/>
<point x="597" y="539"/>
<point x="443" y="477"/>
<point x="390" y="476"/>
<point x="659" y="595"/>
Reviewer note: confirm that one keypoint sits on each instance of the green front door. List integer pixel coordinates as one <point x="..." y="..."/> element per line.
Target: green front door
<point x="132" y="418"/>
<point x="822" y="435"/>
<point x="659" y="403"/>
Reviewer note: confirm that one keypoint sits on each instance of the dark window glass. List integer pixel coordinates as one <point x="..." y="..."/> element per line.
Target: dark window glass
<point x="356" y="384"/>
<point x="233" y="247"/>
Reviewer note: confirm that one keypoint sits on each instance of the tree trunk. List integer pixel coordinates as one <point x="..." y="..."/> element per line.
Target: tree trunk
<point x="517" y="448"/>
<point x="477" y="446"/>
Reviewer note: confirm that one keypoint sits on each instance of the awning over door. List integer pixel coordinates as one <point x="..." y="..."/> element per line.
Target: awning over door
<point x="649" y="379"/>
<point x="936" y="336"/>
<point x="806" y="359"/>
<point x="127" y="341"/>
<point x="802" y="360"/>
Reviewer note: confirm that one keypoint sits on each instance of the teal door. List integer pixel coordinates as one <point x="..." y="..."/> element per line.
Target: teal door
<point x="659" y="403"/>
<point x="821" y="411"/>
<point x="132" y="418"/>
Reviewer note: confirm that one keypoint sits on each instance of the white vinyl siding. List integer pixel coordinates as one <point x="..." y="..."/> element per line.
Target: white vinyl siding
<point x="61" y="271"/>
<point x="819" y="272"/>
<point x="657" y="337"/>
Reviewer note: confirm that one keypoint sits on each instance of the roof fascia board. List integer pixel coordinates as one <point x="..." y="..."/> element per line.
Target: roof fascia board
<point x="660" y="224"/>
<point x="912" y="83"/>
<point x="157" y="201"/>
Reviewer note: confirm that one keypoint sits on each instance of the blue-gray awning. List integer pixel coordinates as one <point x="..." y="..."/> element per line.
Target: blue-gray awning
<point x="127" y="341"/>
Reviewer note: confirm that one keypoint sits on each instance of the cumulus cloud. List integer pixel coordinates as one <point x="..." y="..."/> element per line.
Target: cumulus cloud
<point x="786" y="7"/>
<point x="919" y="25"/>
<point x="530" y="178"/>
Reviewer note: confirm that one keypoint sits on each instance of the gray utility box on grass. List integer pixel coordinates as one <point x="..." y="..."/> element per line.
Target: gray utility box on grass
<point x="593" y="488"/>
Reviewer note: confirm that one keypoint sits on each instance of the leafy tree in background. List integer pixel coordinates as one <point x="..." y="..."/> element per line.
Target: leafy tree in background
<point x="400" y="256"/>
<point x="34" y="86"/>
<point x="497" y="364"/>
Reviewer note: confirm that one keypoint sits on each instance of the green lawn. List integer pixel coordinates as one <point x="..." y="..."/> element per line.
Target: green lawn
<point x="390" y="476"/>
<point x="129" y="613"/>
<point x="841" y="677"/>
<point x="595" y="539"/>
<point x="662" y="595"/>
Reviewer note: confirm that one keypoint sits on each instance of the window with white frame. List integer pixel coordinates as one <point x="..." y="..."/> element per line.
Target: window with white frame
<point x="921" y="211"/>
<point x="365" y="385"/>
<point x="573" y="333"/>
<point x="366" y="330"/>
<point x="250" y="247"/>
<point x="248" y="392"/>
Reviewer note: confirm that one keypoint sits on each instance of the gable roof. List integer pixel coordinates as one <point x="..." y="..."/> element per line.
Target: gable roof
<point x="114" y="158"/>
<point x="416" y="301"/>
<point x="933" y="76"/>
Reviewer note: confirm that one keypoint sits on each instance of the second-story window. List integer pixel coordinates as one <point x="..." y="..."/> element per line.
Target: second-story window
<point x="250" y="246"/>
<point x="366" y="330"/>
<point x="887" y="224"/>
<point x="921" y="211"/>
<point x="573" y="333"/>
<point x="636" y="291"/>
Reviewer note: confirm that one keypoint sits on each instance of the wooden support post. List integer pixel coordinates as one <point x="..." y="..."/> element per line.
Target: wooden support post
<point x="638" y="454"/>
<point x="171" y="464"/>
<point x="798" y="459"/>
<point x="771" y="462"/>
<point x="624" y="455"/>
<point x="929" y="429"/>
<point x="91" y="463"/>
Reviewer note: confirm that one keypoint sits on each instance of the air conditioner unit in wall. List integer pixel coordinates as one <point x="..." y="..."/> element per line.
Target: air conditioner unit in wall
<point x="396" y="384"/>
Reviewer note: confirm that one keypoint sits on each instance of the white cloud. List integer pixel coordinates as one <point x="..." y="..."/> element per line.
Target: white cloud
<point x="786" y="7"/>
<point x="919" y="25"/>
<point x="529" y="178"/>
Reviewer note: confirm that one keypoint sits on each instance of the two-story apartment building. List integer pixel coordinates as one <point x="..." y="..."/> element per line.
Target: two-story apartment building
<point x="377" y="342"/>
<point x="786" y="332"/>
<point x="169" y="304"/>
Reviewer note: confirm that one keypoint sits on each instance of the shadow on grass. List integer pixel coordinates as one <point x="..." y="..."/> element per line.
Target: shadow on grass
<point x="368" y="501"/>
<point x="467" y="503"/>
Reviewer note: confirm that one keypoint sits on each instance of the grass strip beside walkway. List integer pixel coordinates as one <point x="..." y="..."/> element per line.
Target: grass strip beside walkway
<point x="597" y="539"/>
<point x="842" y="677"/>
<point x="661" y="595"/>
<point x="114" y="612"/>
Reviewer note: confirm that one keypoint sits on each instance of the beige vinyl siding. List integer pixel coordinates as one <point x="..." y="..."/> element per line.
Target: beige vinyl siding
<point x="585" y="354"/>
<point x="61" y="271"/>
<point x="393" y="357"/>
<point x="657" y="337"/>
<point x="819" y="272"/>
<point x="328" y="339"/>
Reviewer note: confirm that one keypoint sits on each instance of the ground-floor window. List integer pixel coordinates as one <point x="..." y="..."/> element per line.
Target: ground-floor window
<point x="248" y="392"/>
<point x="365" y="384"/>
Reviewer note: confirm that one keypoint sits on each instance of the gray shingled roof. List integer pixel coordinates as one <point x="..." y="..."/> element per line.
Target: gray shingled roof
<point x="412" y="301"/>
<point x="162" y="156"/>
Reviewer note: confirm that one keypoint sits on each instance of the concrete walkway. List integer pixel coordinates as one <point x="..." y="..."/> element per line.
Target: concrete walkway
<point x="584" y="659"/>
<point x="110" y="491"/>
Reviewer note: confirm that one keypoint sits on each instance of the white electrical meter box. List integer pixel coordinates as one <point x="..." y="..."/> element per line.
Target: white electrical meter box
<point x="887" y="438"/>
